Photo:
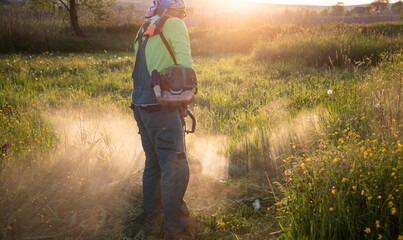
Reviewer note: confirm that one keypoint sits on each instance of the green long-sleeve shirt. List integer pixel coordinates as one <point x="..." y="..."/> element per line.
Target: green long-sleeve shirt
<point x="157" y="55"/>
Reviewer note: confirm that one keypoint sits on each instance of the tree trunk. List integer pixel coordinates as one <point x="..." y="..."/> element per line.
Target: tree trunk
<point x="74" y="19"/>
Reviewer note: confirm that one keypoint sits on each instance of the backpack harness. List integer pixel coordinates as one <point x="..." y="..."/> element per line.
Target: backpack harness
<point x="156" y="28"/>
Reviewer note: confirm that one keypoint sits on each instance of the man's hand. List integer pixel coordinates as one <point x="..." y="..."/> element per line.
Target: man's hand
<point x="183" y="112"/>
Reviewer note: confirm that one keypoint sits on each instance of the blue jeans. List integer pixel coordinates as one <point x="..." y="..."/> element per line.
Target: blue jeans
<point x="166" y="172"/>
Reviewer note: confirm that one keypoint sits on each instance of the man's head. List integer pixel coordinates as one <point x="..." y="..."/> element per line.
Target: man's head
<point x="174" y="8"/>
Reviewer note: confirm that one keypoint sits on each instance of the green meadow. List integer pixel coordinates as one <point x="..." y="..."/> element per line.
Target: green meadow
<point x="307" y="120"/>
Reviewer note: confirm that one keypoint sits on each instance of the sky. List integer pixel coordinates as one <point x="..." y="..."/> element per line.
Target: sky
<point x="313" y="2"/>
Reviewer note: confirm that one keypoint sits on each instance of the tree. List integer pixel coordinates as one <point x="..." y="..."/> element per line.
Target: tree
<point x="324" y="12"/>
<point x="379" y="6"/>
<point x="397" y="7"/>
<point x="44" y="6"/>
<point x="72" y="9"/>
<point x="338" y="9"/>
<point x="99" y="8"/>
<point x="359" y="10"/>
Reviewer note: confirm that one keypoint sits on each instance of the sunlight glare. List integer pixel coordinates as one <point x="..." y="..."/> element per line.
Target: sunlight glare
<point x="309" y="2"/>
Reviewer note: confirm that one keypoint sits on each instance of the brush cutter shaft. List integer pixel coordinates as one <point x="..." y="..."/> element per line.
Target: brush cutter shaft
<point x="193" y="123"/>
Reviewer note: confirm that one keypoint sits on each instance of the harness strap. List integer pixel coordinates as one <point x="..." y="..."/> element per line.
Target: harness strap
<point x="144" y="26"/>
<point x="171" y="52"/>
<point x="152" y="30"/>
<point x="161" y="23"/>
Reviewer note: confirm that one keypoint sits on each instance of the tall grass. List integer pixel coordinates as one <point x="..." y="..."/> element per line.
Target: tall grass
<point x="349" y="186"/>
<point x="266" y="115"/>
<point x="285" y="42"/>
<point x="101" y="82"/>
<point x="324" y="46"/>
<point x="271" y="110"/>
<point x="51" y="186"/>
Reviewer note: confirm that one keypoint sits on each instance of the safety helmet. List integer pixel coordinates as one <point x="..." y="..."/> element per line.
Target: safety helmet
<point x="159" y="7"/>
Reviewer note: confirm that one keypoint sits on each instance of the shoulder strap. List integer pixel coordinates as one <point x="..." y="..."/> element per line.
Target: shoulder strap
<point x="164" y="40"/>
<point x="160" y="25"/>
<point x="144" y="26"/>
<point x="154" y="29"/>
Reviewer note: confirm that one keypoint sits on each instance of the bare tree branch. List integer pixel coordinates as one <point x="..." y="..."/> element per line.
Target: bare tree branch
<point x="65" y="5"/>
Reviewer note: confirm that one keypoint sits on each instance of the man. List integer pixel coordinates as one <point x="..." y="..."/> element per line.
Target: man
<point x="166" y="172"/>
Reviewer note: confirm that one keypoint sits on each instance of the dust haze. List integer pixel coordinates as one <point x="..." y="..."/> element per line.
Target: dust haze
<point x="113" y="136"/>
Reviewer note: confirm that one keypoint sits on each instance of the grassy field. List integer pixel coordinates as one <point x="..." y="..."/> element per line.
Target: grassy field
<point x="310" y="128"/>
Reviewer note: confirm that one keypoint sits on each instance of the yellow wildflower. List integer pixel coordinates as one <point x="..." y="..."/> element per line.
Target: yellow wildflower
<point x="379" y="197"/>
<point x="400" y="237"/>
<point x="308" y="159"/>
<point x="390" y="204"/>
<point x="394" y="169"/>
<point x="377" y="224"/>
<point x="369" y="198"/>
<point x="303" y="165"/>
<point x="379" y="236"/>
<point x="333" y="192"/>
<point x="344" y="180"/>
<point x="331" y="209"/>
<point x="220" y="223"/>
<point x="393" y="211"/>
<point x="335" y="160"/>
<point x="362" y="192"/>
<point x="367" y="230"/>
<point x="354" y="188"/>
